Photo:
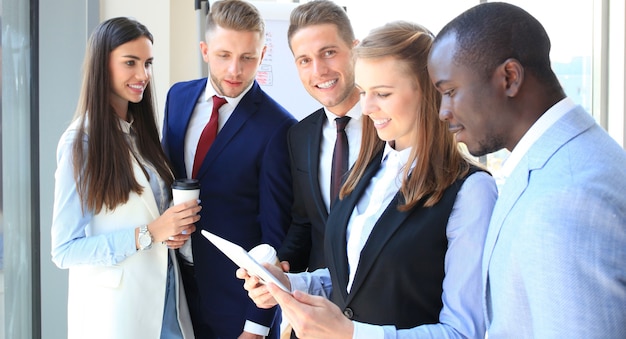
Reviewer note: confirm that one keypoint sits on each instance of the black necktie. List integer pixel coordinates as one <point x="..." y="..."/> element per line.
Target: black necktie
<point x="340" y="158"/>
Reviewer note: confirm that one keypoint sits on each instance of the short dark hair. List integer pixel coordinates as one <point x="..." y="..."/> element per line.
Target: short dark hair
<point x="318" y="12"/>
<point x="490" y="33"/>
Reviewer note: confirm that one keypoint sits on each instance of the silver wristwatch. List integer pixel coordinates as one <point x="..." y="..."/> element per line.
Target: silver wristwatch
<point x="145" y="238"/>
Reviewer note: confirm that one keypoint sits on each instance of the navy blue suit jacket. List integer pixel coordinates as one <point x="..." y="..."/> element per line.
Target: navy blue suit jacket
<point x="245" y="194"/>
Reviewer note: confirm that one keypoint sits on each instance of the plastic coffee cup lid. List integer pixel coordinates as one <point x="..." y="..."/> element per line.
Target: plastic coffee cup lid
<point x="263" y="253"/>
<point x="186" y="184"/>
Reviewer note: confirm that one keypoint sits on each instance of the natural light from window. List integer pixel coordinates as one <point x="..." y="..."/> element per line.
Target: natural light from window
<point x="571" y="38"/>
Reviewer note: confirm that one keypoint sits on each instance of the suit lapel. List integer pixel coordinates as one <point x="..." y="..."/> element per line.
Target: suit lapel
<point x="511" y="191"/>
<point x="338" y="222"/>
<point x="313" y="156"/>
<point x="385" y="227"/>
<point x="247" y="107"/>
<point x="186" y="100"/>
<point x="570" y="125"/>
<point x="147" y="196"/>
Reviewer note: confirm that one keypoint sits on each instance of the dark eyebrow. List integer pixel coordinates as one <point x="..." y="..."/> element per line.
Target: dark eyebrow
<point x="327" y="47"/>
<point x="136" y="57"/>
<point x="322" y="49"/>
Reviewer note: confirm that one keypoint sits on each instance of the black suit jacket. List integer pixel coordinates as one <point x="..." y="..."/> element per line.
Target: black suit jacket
<point x="303" y="246"/>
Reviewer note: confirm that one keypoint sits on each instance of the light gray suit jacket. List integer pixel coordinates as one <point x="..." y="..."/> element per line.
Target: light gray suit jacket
<point x="554" y="264"/>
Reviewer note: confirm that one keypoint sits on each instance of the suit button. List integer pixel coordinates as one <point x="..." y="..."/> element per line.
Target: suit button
<point x="348" y="313"/>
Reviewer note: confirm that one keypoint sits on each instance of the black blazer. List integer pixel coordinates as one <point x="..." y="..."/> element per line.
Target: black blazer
<point x="303" y="246"/>
<point x="401" y="270"/>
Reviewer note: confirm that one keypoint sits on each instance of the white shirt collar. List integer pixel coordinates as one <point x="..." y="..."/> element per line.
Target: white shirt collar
<point x="401" y="156"/>
<point x="381" y="190"/>
<point x="209" y="92"/>
<point x="354" y="113"/>
<point x="126" y="126"/>
<point x="535" y="132"/>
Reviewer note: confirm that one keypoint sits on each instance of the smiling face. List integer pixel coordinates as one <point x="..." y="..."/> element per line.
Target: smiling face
<point x="472" y="106"/>
<point x="233" y="58"/>
<point x="131" y="69"/>
<point x="325" y="66"/>
<point x="390" y="97"/>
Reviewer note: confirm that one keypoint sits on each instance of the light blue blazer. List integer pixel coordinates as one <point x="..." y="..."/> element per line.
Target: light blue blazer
<point x="555" y="254"/>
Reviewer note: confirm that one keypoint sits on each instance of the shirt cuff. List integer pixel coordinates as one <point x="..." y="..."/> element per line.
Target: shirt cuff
<point x="367" y="331"/>
<point x="185" y="252"/>
<point x="297" y="282"/>
<point x="255" y="328"/>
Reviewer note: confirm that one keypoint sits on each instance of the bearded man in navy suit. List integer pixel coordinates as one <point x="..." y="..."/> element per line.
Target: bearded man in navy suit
<point x="246" y="192"/>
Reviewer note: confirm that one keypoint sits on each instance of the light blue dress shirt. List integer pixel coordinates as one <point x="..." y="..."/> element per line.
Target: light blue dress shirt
<point x="462" y="314"/>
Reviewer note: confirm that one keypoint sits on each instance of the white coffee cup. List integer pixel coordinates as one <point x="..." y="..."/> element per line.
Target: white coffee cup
<point x="184" y="190"/>
<point x="264" y="253"/>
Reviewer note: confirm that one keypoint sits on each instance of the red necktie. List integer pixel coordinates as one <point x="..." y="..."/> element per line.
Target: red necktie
<point x="208" y="135"/>
<point x="340" y="158"/>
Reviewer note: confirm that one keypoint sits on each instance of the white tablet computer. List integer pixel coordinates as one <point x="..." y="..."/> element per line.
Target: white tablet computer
<point x="241" y="257"/>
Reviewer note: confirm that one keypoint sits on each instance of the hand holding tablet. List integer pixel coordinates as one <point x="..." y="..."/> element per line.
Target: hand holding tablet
<point x="242" y="258"/>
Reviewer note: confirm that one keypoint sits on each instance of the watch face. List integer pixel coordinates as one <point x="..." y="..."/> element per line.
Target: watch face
<point x="145" y="240"/>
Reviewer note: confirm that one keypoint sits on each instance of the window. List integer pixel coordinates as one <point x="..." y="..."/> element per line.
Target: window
<point x="18" y="237"/>
<point x="571" y="39"/>
<point x="571" y="54"/>
<point x="366" y="15"/>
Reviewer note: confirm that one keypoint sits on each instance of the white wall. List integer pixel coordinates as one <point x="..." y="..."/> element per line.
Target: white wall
<point x="177" y="34"/>
<point x="176" y="44"/>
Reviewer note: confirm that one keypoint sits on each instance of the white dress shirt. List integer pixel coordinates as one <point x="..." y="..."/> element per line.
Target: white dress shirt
<point x="327" y="146"/>
<point x="534" y="133"/>
<point x="200" y="117"/>
<point x="378" y="195"/>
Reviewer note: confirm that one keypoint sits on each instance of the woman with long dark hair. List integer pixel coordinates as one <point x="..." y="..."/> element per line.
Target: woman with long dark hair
<point x="113" y="226"/>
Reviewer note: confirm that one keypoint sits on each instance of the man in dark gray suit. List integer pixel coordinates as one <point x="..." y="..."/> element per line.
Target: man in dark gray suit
<point x="321" y="39"/>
